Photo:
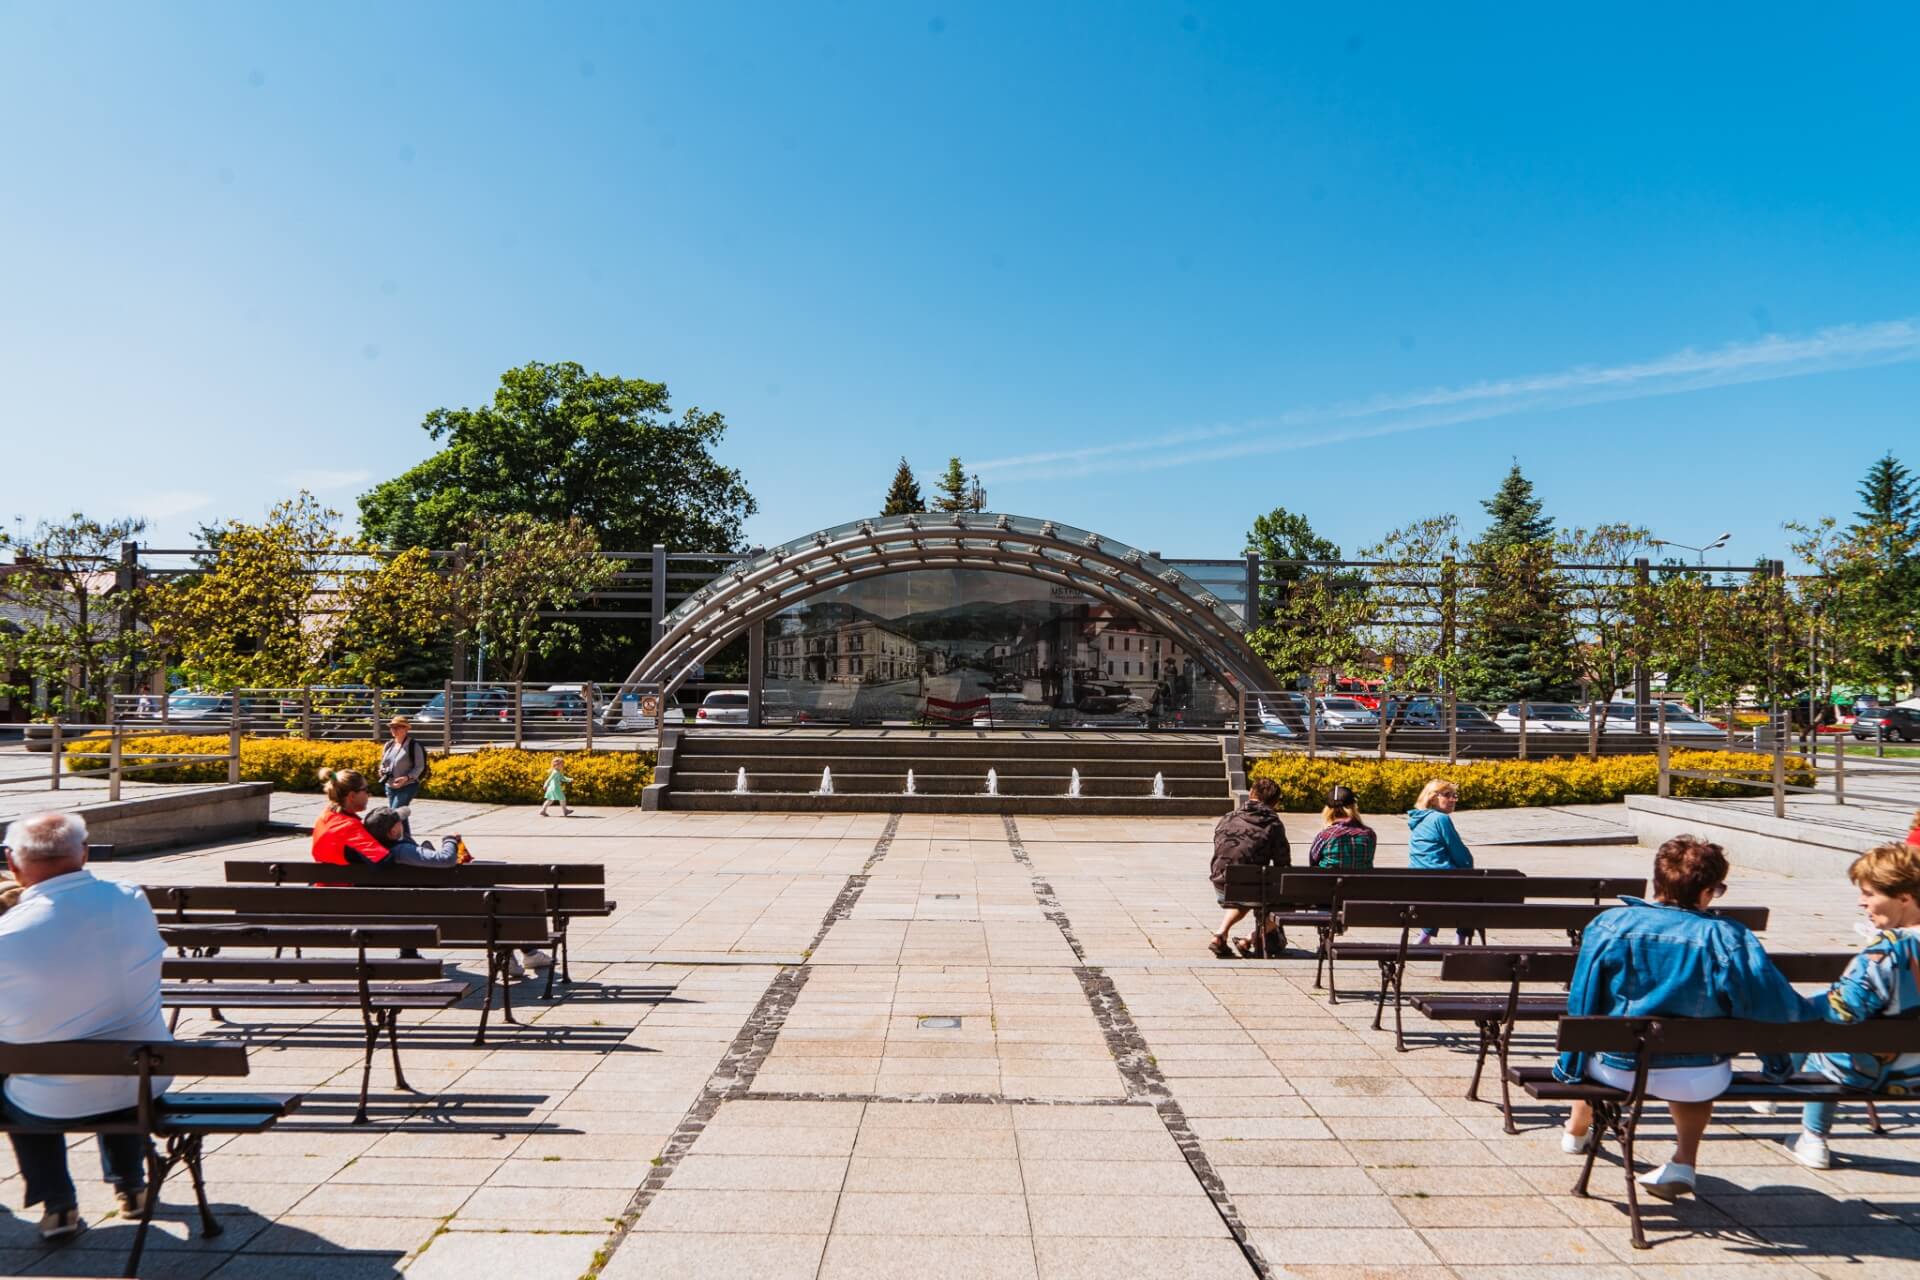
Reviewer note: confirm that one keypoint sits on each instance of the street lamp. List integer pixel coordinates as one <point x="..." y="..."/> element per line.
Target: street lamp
<point x="1717" y="543"/>
<point x="1700" y="696"/>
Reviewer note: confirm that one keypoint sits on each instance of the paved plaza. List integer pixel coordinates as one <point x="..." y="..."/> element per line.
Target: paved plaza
<point x="853" y="1045"/>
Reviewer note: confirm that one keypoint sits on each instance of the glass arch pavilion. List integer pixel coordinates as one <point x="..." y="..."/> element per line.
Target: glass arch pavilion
<point x="1053" y="625"/>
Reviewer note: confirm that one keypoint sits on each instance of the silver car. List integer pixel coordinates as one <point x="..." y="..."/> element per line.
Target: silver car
<point x="1346" y="713"/>
<point x="723" y="706"/>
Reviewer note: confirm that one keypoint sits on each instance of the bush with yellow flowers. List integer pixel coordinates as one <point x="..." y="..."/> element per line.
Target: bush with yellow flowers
<point x="1384" y="786"/>
<point x="492" y="775"/>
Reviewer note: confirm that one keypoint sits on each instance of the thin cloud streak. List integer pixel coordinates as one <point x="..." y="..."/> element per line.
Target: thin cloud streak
<point x="1768" y="359"/>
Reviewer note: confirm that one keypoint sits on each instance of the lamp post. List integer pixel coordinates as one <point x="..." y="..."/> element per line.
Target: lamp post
<point x="1699" y="693"/>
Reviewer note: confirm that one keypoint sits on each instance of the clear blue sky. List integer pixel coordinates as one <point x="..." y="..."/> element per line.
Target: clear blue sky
<point x="1164" y="266"/>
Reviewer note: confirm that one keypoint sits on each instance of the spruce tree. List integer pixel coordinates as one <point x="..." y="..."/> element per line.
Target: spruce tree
<point x="1891" y="501"/>
<point x="1516" y="629"/>
<point x="904" y="497"/>
<point x="953" y="489"/>
<point x="1517" y="518"/>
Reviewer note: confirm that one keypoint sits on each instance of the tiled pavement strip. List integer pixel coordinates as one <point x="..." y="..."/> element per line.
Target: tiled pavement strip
<point x="1034" y="1139"/>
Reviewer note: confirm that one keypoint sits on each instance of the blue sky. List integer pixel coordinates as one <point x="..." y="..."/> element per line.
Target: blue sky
<point x="1153" y="268"/>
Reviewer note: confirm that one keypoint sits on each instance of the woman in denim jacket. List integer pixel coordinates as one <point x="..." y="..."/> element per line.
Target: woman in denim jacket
<point x="1882" y="982"/>
<point x="1670" y="957"/>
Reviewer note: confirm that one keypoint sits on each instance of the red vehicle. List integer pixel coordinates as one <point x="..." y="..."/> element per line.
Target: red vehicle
<point x="1365" y="692"/>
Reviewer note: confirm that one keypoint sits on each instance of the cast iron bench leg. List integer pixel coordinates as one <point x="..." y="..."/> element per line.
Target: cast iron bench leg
<point x="190" y="1156"/>
<point x="1386" y="985"/>
<point x="372" y="1028"/>
<point x="393" y="1044"/>
<point x="1605" y="1115"/>
<point x="1632" y="1123"/>
<point x="1480" y="1061"/>
<point x="1873" y="1119"/>
<point x="1504" y="1042"/>
<point x="486" y="1001"/>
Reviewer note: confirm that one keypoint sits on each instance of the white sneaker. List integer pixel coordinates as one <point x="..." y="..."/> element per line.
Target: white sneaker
<point x="539" y="960"/>
<point x="514" y="968"/>
<point x="1765" y="1108"/>
<point x="1811" y="1150"/>
<point x="1668" y="1182"/>
<point x="1578" y="1146"/>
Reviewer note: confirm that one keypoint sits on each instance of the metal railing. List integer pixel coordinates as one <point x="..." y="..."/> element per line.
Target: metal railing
<point x="1435" y="724"/>
<point x="122" y="741"/>
<point x="1831" y="779"/>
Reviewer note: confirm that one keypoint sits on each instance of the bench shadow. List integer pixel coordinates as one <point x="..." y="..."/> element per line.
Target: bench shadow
<point x="175" y="1247"/>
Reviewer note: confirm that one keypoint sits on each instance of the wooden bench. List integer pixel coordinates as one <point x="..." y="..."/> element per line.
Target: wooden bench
<point x="206" y="976"/>
<point x="1286" y="896"/>
<point x="574" y="890"/>
<point x="181" y="1121"/>
<point x="1393" y="958"/>
<point x="1417" y="887"/>
<point x="1496" y="1014"/>
<point x="1619" y="1110"/>
<point x="494" y="921"/>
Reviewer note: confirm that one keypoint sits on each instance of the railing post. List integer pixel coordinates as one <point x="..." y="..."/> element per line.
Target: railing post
<point x="1313" y="727"/>
<point x="58" y="751"/>
<point x="376" y="716"/>
<point x="1730" y="711"/>
<point x="519" y="705"/>
<point x="586" y="691"/>
<point x="657" y="589"/>
<point x="1779" y="769"/>
<point x="1839" y="772"/>
<point x="1880" y="739"/>
<point x="233" y="752"/>
<point x="446" y="716"/>
<point x="1453" y="725"/>
<point x="1523" y="728"/>
<point x="306" y="711"/>
<point x="115" y="734"/>
<point x="1664" y="754"/>
<point x="1243" y="727"/>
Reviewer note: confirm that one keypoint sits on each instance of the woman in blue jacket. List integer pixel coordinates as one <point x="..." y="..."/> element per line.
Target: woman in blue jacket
<point x="1670" y="958"/>
<point x="1433" y="843"/>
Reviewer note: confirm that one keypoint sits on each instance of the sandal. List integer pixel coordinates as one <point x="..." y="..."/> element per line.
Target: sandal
<point x="1218" y="946"/>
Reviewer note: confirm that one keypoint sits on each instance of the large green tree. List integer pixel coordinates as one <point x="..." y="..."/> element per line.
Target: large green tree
<point x="516" y="575"/>
<point x="61" y="614"/>
<point x="903" y="496"/>
<point x="1308" y="615"/>
<point x="1516" y="630"/>
<point x="559" y="443"/>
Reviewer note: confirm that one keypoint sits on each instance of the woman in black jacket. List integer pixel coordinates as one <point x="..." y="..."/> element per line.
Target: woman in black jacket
<point x="1251" y="835"/>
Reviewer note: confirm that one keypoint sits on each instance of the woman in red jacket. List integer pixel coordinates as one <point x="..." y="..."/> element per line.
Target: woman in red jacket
<point x="339" y="837"/>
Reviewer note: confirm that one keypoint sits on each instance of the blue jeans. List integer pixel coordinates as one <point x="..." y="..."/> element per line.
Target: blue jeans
<point x="42" y="1158"/>
<point x="1816" y="1117"/>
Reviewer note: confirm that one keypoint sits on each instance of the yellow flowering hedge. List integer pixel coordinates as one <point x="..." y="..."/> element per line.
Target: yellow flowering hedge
<point x="1383" y="786"/>
<point x="492" y="775"/>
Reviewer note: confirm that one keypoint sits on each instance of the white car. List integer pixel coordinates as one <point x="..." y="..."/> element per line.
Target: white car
<point x="723" y="706"/>
<point x="1346" y="713"/>
<point x="1544" y="717"/>
<point x="1681" y="723"/>
<point x="1271" y="720"/>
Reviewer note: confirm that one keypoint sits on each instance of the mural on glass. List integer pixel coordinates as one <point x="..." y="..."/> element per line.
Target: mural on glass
<point x="1026" y="651"/>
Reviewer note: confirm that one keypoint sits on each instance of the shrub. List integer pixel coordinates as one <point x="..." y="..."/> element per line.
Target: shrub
<point x="492" y="775"/>
<point x="1384" y="786"/>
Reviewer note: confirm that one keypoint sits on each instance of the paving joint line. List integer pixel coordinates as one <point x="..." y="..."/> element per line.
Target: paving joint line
<point x="1138" y="1069"/>
<point x="733" y="1076"/>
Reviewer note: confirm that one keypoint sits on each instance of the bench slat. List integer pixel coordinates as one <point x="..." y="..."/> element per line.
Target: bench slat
<point x="115" y="1058"/>
<point x="293" y="935"/>
<point x="363" y="904"/>
<point x="1735" y="1036"/>
<point x="464" y="876"/>
<point x="455" y="932"/>
<point x="310" y="969"/>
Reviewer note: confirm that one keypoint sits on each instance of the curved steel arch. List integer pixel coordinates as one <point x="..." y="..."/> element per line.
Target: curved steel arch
<point x="1123" y="576"/>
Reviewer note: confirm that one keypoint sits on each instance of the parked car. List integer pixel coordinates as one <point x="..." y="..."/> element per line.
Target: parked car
<point x="1278" y="717"/>
<point x="549" y="705"/>
<point x="1345" y="713"/>
<point x="1431" y="713"/>
<point x="778" y="707"/>
<point x="190" y="704"/>
<point x="1681" y="723"/>
<point x="1898" y="722"/>
<point x="723" y="706"/>
<point x="484" y="703"/>
<point x="1544" y="717"/>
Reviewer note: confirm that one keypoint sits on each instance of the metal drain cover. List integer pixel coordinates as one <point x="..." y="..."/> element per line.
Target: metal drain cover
<point x="941" y="1022"/>
<point x="946" y="897"/>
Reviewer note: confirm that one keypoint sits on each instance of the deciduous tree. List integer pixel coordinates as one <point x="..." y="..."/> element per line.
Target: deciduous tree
<point x="60" y="616"/>
<point x="517" y="569"/>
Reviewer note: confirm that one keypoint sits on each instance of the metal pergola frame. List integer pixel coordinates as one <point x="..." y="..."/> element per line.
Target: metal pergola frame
<point x="741" y="600"/>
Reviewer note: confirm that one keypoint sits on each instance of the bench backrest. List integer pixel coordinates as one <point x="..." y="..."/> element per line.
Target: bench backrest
<point x="1326" y="888"/>
<point x="357" y="904"/>
<point x="469" y="876"/>
<point x="122" y="1058"/>
<point x="299" y="969"/>
<point x="1733" y="1035"/>
<point x="1494" y="964"/>
<point x="352" y="936"/>
<point x="452" y="931"/>
<point x="1501" y="915"/>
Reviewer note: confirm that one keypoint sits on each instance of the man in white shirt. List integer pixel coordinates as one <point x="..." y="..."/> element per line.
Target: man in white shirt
<point x="79" y="960"/>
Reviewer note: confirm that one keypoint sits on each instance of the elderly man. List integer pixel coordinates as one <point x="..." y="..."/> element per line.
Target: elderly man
<point x="79" y="960"/>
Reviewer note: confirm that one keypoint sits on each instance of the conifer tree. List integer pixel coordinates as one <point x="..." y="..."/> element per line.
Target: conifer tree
<point x="954" y="495"/>
<point x="1517" y="632"/>
<point x="904" y="497"/>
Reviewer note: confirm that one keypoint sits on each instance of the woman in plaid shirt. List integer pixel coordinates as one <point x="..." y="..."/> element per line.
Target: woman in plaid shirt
<point x="1345" y="843"/>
